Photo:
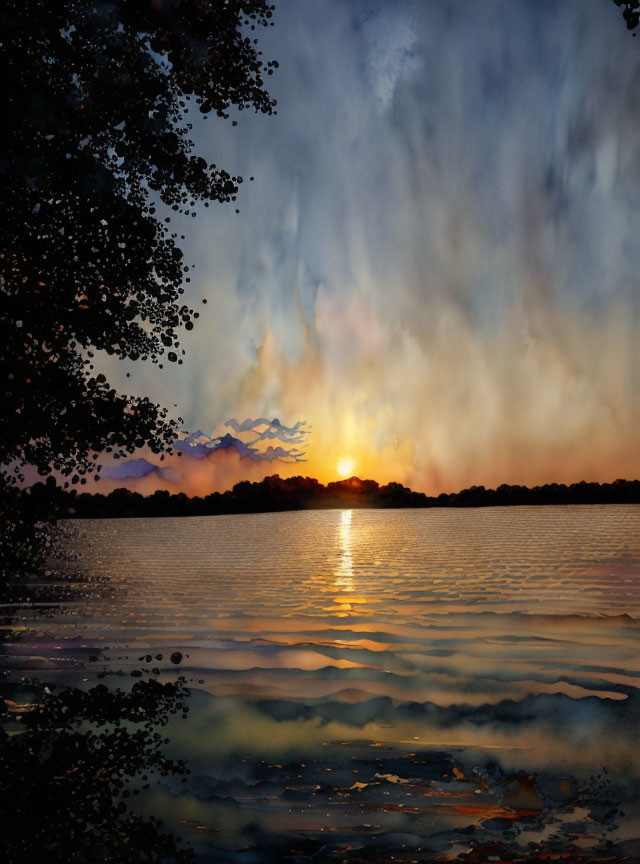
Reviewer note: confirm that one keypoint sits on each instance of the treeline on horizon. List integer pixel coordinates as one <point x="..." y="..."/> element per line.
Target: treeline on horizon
<point x="304" y="493"/>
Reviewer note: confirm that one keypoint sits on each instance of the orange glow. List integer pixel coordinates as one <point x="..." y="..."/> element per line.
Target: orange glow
<point x="345" y="467"/>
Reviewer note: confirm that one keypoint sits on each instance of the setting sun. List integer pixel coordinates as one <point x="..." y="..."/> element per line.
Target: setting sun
<point x="345" y="467"/>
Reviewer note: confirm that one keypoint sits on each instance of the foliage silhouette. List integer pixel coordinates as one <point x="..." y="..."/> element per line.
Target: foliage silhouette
<point x="95" y="156"/>
<point x="96" y="148"/>
<point x="630" y="12"/>
<point x="68" y="776"/>
<point x="276" y="493"/>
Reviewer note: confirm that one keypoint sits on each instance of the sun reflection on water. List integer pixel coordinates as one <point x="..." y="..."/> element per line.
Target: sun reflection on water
<point x="344" y="571"/>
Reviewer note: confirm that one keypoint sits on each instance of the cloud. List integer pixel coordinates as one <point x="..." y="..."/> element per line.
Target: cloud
<point x="274" y="429"/>
<point x="436" y="263"/>
<point x="205" y="463"/>
<point x="198" y="445"/>
<point x="133" y="469"/>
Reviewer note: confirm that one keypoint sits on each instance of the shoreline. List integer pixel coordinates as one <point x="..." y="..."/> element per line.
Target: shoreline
<point x="275" y="494"/>
<point x="85" y="517"/>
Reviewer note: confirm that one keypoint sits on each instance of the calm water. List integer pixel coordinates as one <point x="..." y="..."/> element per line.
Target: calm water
<point x="374" y="685"/>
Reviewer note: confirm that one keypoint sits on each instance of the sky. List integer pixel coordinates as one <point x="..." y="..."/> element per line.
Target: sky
<point x="436" y="265"/>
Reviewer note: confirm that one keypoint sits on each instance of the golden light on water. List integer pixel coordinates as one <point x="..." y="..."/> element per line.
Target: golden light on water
<point x="345" y="467"/>
<point x="344" y="572"/>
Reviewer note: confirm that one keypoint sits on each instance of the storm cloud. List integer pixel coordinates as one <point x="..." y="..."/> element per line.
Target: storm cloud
<point x="436" y="263"/>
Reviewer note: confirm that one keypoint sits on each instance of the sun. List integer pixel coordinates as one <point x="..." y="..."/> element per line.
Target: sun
<point x="345" y="467"/>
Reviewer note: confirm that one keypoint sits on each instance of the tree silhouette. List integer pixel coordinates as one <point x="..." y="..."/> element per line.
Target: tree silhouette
<point x="80" y="758"/>
<point x="95" y="150"/>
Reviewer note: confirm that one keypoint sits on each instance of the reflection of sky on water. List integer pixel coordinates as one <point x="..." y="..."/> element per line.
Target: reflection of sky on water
<point x="388" y="677"/>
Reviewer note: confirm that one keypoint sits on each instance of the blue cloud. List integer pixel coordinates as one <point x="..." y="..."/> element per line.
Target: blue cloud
<point x="133" y="469"/>
<point x="199" y="445"/>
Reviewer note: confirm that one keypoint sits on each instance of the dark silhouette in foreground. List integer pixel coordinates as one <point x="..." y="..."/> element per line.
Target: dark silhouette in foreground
<point x="96" y="161"/>
<point x="76" y="761"/>
<point x="304" y="493"/>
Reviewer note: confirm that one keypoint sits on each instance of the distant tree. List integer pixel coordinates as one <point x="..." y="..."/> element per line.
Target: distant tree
<point x="95" y="102"/>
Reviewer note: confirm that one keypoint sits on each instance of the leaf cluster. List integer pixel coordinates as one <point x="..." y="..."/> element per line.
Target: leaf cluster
<point x="96" y="154"/>
<point x="630" y="12"/>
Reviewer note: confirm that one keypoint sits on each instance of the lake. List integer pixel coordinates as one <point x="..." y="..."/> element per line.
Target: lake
<point x="371" y="685"/>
